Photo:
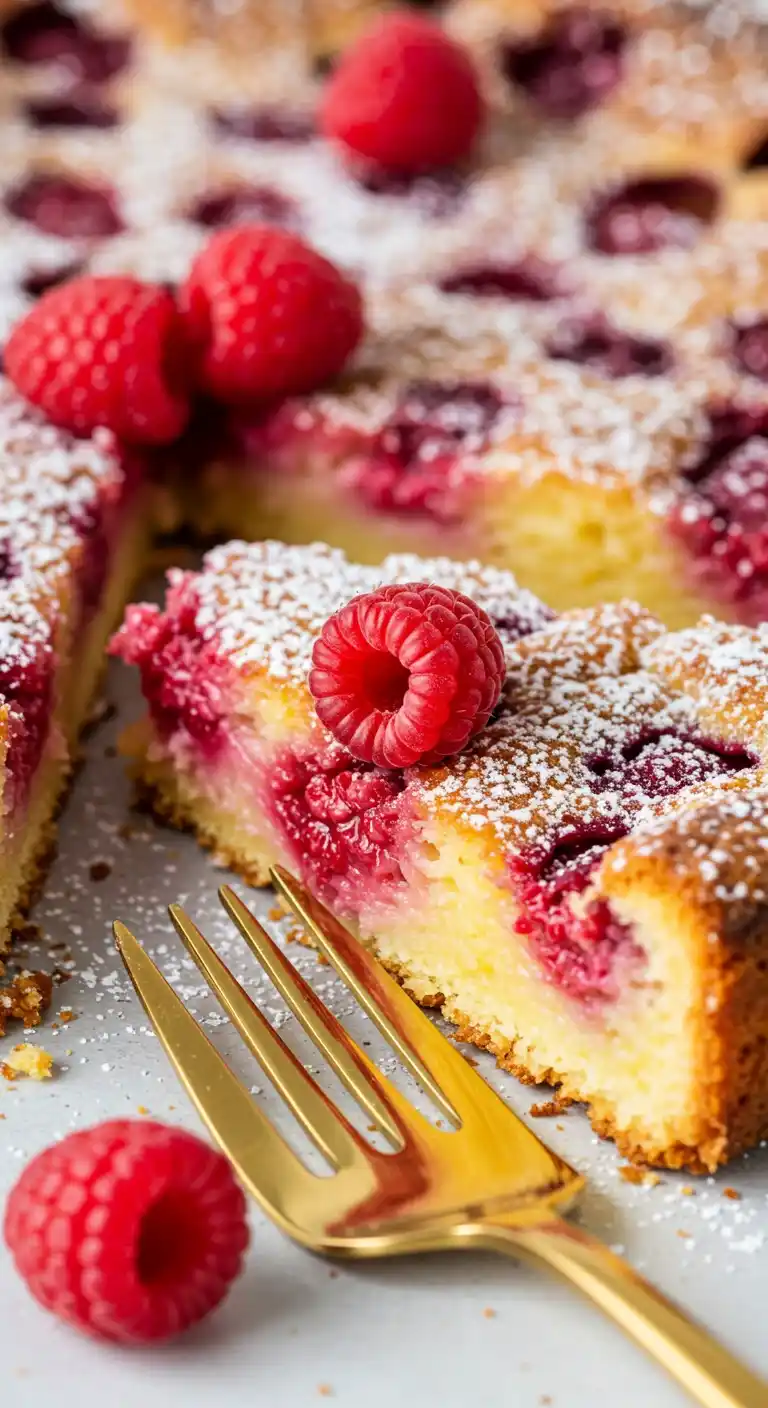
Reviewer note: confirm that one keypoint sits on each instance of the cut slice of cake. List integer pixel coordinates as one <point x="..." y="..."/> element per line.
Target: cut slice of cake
<point x="583" y="890"/>
<point x="74" y="525"/>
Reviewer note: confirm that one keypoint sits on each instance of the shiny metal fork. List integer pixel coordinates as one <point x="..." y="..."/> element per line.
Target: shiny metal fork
<point x="488" y="1182"/>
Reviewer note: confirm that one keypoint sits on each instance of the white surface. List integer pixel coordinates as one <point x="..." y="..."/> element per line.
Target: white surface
<point x="297" y="1331"/>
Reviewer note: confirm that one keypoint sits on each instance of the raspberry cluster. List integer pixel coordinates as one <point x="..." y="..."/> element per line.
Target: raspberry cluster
<point x="260" y="315"/>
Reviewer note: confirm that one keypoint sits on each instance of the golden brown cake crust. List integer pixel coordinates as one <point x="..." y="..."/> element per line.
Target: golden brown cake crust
<point x="586" y="696"/>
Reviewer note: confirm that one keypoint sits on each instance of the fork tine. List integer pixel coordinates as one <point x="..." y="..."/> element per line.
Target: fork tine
<point x="407" y="1029"/>
<point x="250" y="1142"/>
<point x="334" y="1136"/>
<point x="378" y="1097"/>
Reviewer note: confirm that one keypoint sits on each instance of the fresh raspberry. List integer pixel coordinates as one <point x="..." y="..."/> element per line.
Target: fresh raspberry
<point x="268" y="315"/>
<point x="404" y="97"/>
<point x="104" y="352"/>
<point x="407" y="674"/>
<point x="131" y="1231"/>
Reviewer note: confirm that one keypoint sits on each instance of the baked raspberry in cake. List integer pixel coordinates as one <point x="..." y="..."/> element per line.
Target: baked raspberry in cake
<point x="74" y="523"/>
<point x="572" y="393"/>
<point x="559" y="328"/>
<point x="566" y="329"/>
<point x="582" y="889"/>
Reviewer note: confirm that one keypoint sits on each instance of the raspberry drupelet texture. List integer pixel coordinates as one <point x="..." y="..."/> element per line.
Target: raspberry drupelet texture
<point x="407" y="674"/>
<point x="131" y="1231"/>
<point x="104" y="352"/>
<point x="405" y="98"/>
<point x="268" y="315"/>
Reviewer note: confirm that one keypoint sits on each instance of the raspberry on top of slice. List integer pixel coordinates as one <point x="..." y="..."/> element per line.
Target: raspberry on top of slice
<point x="407" y="674"/>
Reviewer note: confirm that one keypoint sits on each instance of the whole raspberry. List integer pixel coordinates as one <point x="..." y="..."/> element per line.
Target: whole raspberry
<point x="407" y="674"/>
<point x="131" y="1230"/>
<point x="104" y="352"/>
<point x="268" y="315"/>
<point x="404" y="97"/>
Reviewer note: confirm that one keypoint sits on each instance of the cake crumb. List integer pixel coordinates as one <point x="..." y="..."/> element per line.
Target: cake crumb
<point x="142" y="1110"/>
<point x="733" y="1194"/>
<point x="100" y="870"/>
<point x="275" y="914"/>
<point x="635" y="1173"/>
<point x="687" y="1191"/>
<point x="28" y="1060"/>
<point x="66" y="1016"/>
<point x="25" y="998"/>
<point x="325" y="1390"/>
<point x="547" y="1109"/>
<point x="680" y="1232"/>
<point x="489" y="1312"/>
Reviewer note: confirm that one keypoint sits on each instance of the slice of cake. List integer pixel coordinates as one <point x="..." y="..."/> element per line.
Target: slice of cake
<point x="583" y="889"/>
<point x="74" y="523"/>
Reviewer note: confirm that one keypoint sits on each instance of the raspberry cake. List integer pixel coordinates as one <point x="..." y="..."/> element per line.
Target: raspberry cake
<point x="73" y="535"/>
<point x="565" y="372"/>
<point x="582" y="889"/>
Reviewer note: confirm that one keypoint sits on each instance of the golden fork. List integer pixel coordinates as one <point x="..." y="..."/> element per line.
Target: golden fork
<point x="487" y="1182"/>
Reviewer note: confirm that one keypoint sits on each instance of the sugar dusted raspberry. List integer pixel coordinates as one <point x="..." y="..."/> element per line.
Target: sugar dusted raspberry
<point x="420" y="463"/>
<point x="131" y="1231"/>
<point x="407" y="674"/>
<point x="405" y="97"/>
<point x="103" y="352"/>
<point x="269" y="315"/>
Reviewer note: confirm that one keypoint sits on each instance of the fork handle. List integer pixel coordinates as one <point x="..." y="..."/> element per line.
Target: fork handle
<point x="705" y="1368"/>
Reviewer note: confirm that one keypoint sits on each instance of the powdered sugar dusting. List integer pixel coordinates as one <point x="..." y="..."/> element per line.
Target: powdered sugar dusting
<point x="264" y="603"/>
<point x="591" y="730"/>
<point x="49" y="481"/>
